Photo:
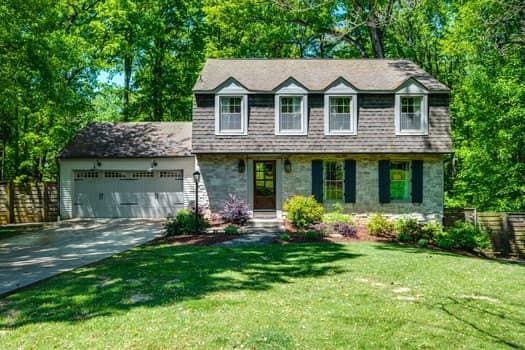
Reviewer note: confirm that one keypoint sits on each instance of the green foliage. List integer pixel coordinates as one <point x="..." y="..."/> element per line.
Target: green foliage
<point x="312" y="235"/>
<point x="284" y="236"/>
<point x="378" y="225"/>
<point x="303" y="211"/>
<point x="232" y="230"/>
<point x="408" y="229"/>
<point x="465" y="236"/>
<point x="184" y="223"/>
<point x="422" y="242"/>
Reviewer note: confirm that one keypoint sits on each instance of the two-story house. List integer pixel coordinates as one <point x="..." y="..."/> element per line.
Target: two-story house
<point x="367" y="133"/>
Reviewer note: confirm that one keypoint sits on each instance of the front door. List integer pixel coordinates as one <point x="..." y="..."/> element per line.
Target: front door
<point x="264" y="185"/>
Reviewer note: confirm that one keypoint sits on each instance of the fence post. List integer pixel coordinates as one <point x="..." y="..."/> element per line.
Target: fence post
<point x="45" y="205"/>
<point x="10" y="202"/>
<point x="505" y="244"/>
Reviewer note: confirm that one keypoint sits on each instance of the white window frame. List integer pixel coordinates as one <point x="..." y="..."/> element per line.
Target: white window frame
<point x="244" y="115"/>
<point x="304" y="112"/>
<point x="353" y="115"/>
<point x="412" y="90"/>
<point x="342" y="163"/>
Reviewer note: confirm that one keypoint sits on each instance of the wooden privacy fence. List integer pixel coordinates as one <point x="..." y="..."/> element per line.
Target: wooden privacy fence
<point x="28" y="202"/>
<point x="507" y="230"/>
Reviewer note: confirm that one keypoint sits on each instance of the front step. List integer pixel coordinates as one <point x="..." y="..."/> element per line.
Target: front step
<point x="270" y="224"/>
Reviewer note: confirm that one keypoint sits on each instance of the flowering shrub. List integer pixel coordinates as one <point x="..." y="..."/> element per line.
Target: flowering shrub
<point x="345" y="229"/>
<point x="235" y="211"/>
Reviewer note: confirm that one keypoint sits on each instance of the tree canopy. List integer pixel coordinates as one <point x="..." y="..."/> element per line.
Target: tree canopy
<point x="66" y="63"/>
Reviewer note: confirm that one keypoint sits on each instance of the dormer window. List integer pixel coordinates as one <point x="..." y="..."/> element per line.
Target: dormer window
<point x="340" y="110"/>
<point x="411" y="110"/>
<point x="231" y="111"/>
<point x="291" y="106"/>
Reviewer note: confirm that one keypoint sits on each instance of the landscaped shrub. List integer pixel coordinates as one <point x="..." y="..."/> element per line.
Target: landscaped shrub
<point x="235" y="211"/>
<point x="303" y="211"/>
<point x="378" y="225"/>
<point x="345" y="229"/>
<point x="408" y="229"/>
<point x="431" y="230"/>
<point x="312" y="235"/>
<point x="231" y="230"/>
<point x="184" y="223"/>
<point x="321" y="228"/>
<point x="336" y="215"/>
<point x="464" y="236"/>
<point x="284" y="237"/>
<point x="423" y="242"/>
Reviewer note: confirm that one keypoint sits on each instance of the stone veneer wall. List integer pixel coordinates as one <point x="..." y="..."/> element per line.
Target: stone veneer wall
<point x="220" y="177"/>
<point x="367" y="196"/>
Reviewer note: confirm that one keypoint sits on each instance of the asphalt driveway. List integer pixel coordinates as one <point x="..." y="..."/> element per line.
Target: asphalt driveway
<point x="31" y="257"/>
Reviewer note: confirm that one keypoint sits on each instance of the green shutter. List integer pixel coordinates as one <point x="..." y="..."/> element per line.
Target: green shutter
<point x="317" y="180"/>
<point x="350" y="183"/>
<point x="417" y="181"/>
<point x="384" y="181"/>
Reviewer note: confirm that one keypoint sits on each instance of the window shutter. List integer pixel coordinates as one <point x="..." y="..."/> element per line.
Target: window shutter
<point x="350" y="183"/>
<point x="417" y="181"/>
<point x="317" y="180"/>
<point x="384" y="181"/>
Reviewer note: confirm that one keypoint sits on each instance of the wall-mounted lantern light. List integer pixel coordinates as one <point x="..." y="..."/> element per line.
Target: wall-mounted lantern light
<point x="96" y="164"/>
<point x="152" y="165"/>
<point x="287" y="166"/>
<point x="241" y="166"/>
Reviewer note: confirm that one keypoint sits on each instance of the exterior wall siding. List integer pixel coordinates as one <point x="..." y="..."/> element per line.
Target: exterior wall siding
<point x="68" y="166"/>
<point x="375" y="129"/>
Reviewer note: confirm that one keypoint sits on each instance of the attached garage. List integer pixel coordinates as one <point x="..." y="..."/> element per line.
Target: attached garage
<point x="132" y="170"/>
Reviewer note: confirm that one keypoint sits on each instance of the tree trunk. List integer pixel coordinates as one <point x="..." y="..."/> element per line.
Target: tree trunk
<point x="128" y="64"/>
<point x="157" y="81"/>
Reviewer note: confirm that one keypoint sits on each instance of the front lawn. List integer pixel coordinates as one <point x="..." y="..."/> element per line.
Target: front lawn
<point x="304" y="296"/>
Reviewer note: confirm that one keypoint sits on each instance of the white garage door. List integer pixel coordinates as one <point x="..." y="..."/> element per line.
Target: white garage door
<point x="127" y="194"/>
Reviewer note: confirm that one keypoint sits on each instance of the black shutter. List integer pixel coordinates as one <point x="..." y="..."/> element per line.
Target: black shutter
<point x="317" y="180"/>
<point x="384" y="181"/>
<point x="417" y="181"/>
<point x="350" y="175"/>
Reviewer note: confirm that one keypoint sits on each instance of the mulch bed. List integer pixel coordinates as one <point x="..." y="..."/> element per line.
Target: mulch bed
<point x="200" y="239"/>
<point x="362" y="236"/>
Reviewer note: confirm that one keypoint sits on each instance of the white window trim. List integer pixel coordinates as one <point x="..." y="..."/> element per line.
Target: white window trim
<point x="424" y="114"/>
<point x="244" y="115"/>
<point x="304" y="115"/>
<point x="353" y="115"/>
<point x="333" y="201"/>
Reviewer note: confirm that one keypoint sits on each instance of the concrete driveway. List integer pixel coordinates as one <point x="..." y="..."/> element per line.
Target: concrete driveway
<point x="31" y="257"/>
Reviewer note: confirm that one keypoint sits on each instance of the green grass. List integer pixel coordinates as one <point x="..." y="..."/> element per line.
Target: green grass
<point x="304" y="296"/>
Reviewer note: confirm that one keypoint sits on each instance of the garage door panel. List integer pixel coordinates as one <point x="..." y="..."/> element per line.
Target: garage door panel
<point x="129" y="194"/>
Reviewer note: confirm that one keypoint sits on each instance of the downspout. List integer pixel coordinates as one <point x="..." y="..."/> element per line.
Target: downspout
<point x="59" y="194"/>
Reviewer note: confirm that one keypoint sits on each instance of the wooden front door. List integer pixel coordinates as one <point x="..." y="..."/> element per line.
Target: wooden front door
<point x="264" y="185"/>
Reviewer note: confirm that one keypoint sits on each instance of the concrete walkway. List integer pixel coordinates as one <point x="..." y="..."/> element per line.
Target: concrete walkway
<point x="250" y="239"/>
<point x="31" y="257"/>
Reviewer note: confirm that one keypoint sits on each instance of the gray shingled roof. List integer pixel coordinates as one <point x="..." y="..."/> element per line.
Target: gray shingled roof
<point x="130" y="140"/>
<point x="264" y="75"/>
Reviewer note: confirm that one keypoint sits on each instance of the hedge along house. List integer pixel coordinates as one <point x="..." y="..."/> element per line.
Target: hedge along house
<point x="131" y="170"/>
<point x="367" y="133"/>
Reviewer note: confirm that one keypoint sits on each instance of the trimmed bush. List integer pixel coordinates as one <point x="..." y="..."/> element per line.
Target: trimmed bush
<point x="284" y="237"/>
<point x="312" y="235"/>
<point x="184" y="223"/>
<point x="303" y="211"/>
<point x="423" y="242"/>
<point x="431" y="230"/>
<point x="465" y="236"/>
<point x="235" y="211"/>
<point x="231" y="230"/>
<point x="345" y="229"/>
<point x="408" y="229"/>
<point x="378" y="225"/>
